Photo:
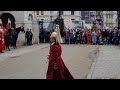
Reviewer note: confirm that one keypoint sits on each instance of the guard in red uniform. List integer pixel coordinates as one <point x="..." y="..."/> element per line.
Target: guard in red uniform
<point x="8" y="25"/>
<point x="4" y="33"/>
<point x="1" y="40"/>
<point x="56" y="66"/>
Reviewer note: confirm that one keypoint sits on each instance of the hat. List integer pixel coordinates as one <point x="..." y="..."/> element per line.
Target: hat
<point x="0" y="21"/>
<point x="9" y="20"/>
<point x="56" y="34"/>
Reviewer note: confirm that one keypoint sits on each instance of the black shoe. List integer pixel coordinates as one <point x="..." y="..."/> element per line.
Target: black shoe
<point x="1" y="52"/>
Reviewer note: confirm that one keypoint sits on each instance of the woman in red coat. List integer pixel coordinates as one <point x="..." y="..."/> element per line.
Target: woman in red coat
<point x="89" y="37"/>
<point x="56" y="66"/>
<point x="1" y="40"/>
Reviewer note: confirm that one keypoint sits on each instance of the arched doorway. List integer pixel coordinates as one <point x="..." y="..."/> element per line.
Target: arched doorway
<point x="30" y="21"/>
<point x="4" y="17"/>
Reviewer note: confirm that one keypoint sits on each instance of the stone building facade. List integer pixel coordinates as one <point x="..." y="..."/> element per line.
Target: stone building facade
<point x="27" y="19"/>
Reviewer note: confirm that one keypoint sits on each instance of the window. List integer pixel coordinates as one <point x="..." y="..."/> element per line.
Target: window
<point x="106" y="25"/>
<point x="106" y="16"/>
<point x="30" y="17"/>
<point x="72" y="12"/>
<point x="111" y="16"/>
<point x="86" y="13"/>
<point x="42" y="12"/>
<point x="61" y="12"/>
<point x="37" y="12"/>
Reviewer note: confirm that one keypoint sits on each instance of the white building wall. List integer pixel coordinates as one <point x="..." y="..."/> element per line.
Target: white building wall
<point x="54" y="13"/>
<point x="107" y="21"/>
<point x="46" y="12"/>
<point x="21" y="18"/>
<point x="77" y="13"/>
<point x="67" y="13"/>
<point x="115" y="18"/>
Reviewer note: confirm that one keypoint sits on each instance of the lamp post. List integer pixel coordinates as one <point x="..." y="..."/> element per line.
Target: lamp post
<point x="118" y="19"/>
<point x="59" y="14"/>
<point x="59" y="21"/>
<point x="51" y="16"/>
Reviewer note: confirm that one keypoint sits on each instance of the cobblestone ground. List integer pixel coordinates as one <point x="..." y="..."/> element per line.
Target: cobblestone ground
<point x="31" y="62"/>
<point x="107" y="66"/>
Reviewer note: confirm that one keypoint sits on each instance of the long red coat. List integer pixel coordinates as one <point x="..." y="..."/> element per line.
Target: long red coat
<point x="4" y="33"/>
<point x="56" y="66"/>
<point x="98" y="32"/>
<point x="89" y="38"/>
<point x="1" y="42"/>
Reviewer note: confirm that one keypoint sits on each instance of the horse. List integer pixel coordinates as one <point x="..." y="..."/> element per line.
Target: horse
<point x="15" y="36"/>
<point x="12" y="35"/>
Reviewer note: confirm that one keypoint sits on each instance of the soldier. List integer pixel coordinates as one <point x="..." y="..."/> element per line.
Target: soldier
<point x="4" y="33"/>
<point x="1" y="40"/>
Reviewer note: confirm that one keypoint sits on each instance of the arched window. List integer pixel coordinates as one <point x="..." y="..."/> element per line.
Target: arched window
<point x="61" y="12"/>
<point x="42" y="12"/>
<point x="37" y="12"/>
<point x="72" y="12"/>
<point x="30" y="17"/>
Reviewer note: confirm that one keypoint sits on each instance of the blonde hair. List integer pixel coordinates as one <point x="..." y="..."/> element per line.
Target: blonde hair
<point x="0" y="21"/>
<point x="57" y="30"/>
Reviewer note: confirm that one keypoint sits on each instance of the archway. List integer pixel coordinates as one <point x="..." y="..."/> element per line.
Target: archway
<point x="30" y="21"/>
<point x="30" y="17"/>
<point x="4" y="17"/>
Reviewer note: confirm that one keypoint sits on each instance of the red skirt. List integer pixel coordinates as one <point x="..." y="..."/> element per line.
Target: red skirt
<point x="60" y="73"/>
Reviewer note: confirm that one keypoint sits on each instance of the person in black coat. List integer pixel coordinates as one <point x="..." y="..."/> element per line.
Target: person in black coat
<point x="9" y="40"/>
<point x="27" y="36"/>
<point x="31" y="36"/>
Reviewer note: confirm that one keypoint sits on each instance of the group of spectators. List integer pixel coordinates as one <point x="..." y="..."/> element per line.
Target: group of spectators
<point x="91" y="36"/>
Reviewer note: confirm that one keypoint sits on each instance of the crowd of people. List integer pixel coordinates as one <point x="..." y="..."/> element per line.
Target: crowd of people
<point x="92" y="36"/>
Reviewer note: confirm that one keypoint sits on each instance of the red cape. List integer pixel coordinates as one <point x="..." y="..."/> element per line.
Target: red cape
<point x="4" y="33"/>
<point x="2" y="45"/>
<point x="89" y="37"/>
<point x="55" y="61"/>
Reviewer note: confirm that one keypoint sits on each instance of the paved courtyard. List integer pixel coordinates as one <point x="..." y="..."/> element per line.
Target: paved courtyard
<point x="107" y="65"/>
<point x="31" y="62"/>
<point x="83" y="61"/>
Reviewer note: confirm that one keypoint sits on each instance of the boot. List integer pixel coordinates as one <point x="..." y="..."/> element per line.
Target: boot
<point x="1" y="52"/>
